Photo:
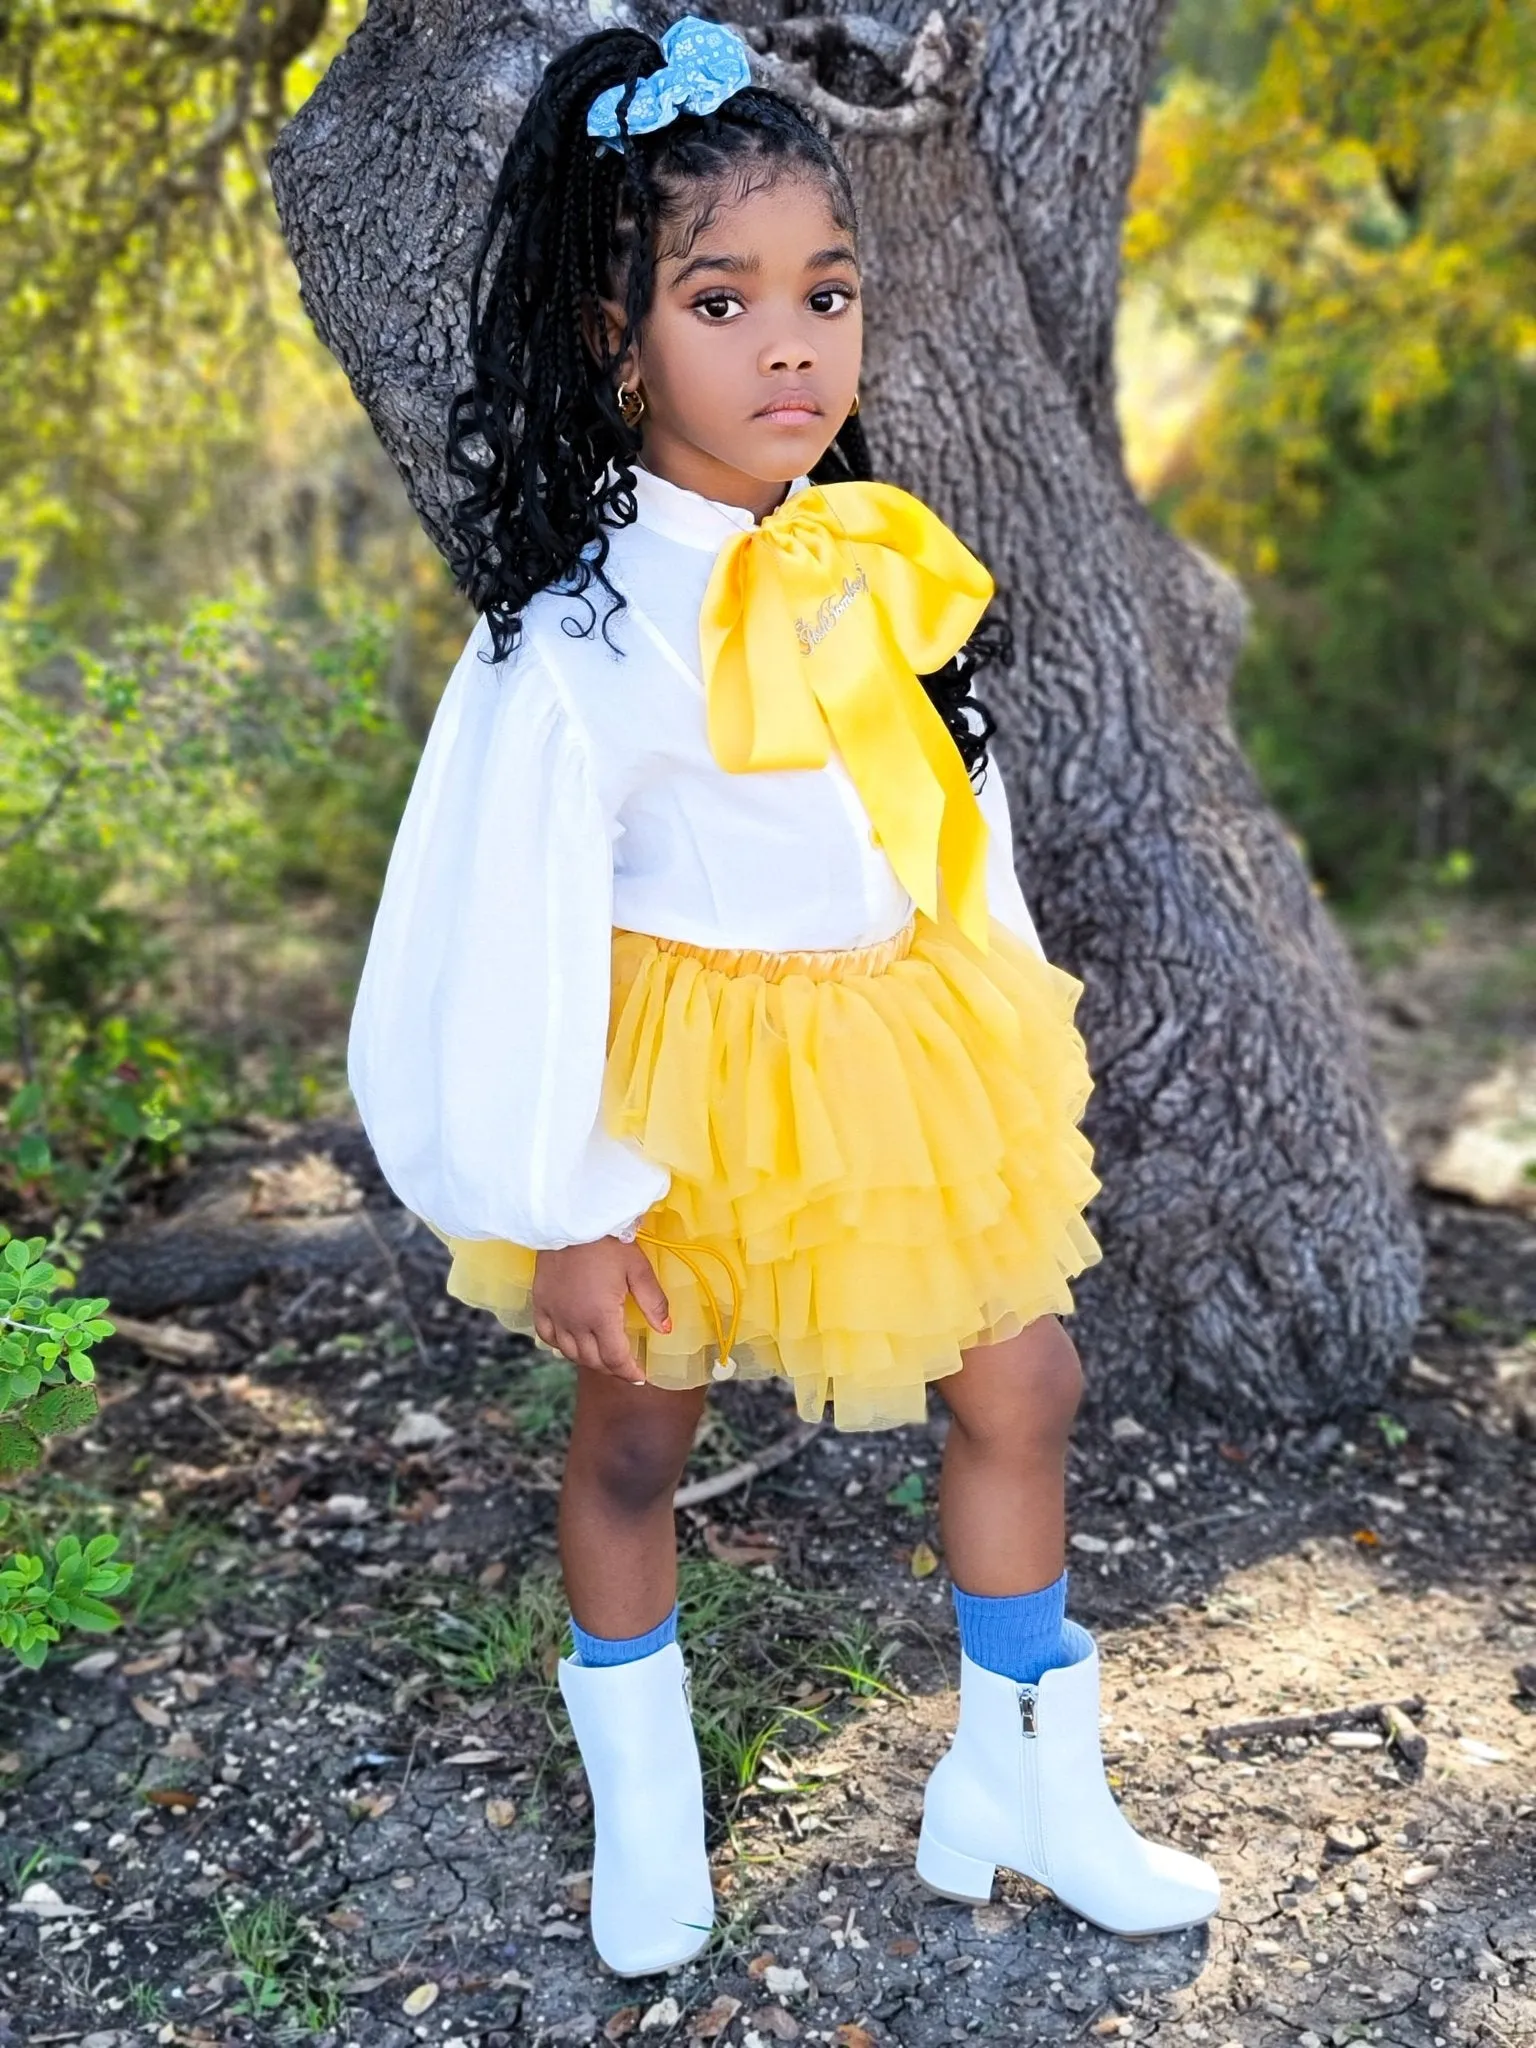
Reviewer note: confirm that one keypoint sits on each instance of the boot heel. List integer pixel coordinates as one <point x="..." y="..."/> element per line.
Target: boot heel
<point x="953" y="1876"/>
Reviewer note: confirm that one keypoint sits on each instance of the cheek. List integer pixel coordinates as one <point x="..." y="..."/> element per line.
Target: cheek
<point x="698" y="366"/>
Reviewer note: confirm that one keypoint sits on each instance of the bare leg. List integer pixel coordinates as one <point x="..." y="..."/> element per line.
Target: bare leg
<point x="618" y="1538"/>
<point x="1002" y="1489"/>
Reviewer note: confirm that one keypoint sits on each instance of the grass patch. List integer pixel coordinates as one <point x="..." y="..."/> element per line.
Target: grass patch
<point x="177" y="1574"/>
<point x="759" y="1653"/>
<point x="477" y="1640"/>
<point x="289" y="1979"/>
<point x="862" y="1658"/>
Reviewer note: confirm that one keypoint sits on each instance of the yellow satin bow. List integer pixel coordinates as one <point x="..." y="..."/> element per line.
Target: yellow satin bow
<point x="814" y="629"/>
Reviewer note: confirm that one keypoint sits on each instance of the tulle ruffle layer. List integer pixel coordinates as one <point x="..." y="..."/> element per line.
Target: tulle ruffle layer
<point x="884" y="1143"/>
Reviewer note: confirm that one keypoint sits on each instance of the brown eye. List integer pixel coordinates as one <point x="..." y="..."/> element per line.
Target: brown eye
<point x="831" y="298"/>
<point x="718" y="307"/>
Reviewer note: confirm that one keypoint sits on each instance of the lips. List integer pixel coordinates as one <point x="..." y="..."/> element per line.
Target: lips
<point x="790" y="407"/>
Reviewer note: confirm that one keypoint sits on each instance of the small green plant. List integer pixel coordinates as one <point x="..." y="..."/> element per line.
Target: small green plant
<point x="287" y="1976"/>
<point x="1468" y="1318"/>
<point x="909" y="1493"/>
<point x="46" y="1386"/>
<point x="147" y="2000"/>
<point x="861" y="1658"/>
<point x="733" y="1735"/>
<point x="1394" y="1433"/>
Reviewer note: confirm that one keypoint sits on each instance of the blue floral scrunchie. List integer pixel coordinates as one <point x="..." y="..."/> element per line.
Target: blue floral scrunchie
<point x="705" y="65"/>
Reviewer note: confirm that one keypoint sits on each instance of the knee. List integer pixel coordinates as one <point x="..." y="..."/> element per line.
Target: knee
<point x="1031" y="1408"/>
<point x="634" y="1467"/>
<point x="1063" y="1395"/>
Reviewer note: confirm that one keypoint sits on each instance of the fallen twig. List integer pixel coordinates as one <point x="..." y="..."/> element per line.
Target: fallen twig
<point x="170" y="1341"/>
<point x="1403" y="1736"/>
<point x="1389" y="1715"/>
<point x="701" y="1490"/>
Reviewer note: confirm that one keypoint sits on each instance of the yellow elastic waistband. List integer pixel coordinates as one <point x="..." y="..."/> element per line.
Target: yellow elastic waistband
<point x="832" y="964"/>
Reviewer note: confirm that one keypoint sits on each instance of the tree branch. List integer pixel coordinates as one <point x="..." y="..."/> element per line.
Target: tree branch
<point x="40" y="818"/>
<point x="200" y="42"/>
<point x="937" y="71"/>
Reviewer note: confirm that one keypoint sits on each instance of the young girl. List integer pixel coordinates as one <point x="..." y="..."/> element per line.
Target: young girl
<point x="703" y="1017"/>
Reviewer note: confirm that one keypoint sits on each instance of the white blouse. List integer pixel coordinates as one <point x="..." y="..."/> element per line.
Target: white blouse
<point x="562" y="792"/>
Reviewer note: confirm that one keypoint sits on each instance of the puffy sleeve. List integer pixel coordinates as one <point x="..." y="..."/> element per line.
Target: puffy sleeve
<point x="1005" y="898"/>
<point x="479" y="1034"/>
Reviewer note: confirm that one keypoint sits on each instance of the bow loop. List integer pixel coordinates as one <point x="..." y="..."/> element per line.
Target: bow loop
<point x="813" y="631"/>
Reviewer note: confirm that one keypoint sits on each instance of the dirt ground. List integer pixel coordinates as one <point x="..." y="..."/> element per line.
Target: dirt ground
<point x="321" y="1788"/>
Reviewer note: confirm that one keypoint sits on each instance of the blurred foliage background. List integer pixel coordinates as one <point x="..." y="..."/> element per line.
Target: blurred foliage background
<point x="222" y="634"/>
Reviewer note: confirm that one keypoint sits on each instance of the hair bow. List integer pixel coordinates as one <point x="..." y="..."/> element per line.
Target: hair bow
<point x="705" y="65"/>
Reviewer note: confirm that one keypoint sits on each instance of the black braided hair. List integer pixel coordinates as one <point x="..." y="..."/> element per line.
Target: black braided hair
<point x="538" y="436"/>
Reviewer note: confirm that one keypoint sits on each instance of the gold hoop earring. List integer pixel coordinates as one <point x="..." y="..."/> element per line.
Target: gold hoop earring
<point x="631" y="404"/>
<point x="853" y="410"/>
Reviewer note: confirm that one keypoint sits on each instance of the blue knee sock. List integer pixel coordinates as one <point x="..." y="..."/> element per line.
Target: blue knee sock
<point x="1020" y="1635"/>
<point x="623" y="1649"/>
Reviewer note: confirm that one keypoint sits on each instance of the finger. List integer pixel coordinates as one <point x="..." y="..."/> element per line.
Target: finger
<point x="613" y="1345"/>
<point x="566" y="1343"/>
<point x="647" y="1290"/>
<point x="544" y="1329"/>
<point x="588" y="1351"/>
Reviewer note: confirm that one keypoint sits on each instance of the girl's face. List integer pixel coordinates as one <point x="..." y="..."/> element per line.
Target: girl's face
<point x="749" y="357"/>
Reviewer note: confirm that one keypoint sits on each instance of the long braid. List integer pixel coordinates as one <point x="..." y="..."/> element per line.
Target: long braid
<point x="537" y="436"/>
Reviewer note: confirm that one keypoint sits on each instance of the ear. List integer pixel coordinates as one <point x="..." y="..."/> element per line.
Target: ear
<point x="602" y="327"/>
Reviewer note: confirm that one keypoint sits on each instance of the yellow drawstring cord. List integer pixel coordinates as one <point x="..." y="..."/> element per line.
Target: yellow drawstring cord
<point x="725" y="1364"/>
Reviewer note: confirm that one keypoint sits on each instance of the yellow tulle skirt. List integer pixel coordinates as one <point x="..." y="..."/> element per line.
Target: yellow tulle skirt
<point x="876" y="1153"/>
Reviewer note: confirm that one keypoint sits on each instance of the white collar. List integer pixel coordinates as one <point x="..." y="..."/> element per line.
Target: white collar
<point x="688" y="516"/>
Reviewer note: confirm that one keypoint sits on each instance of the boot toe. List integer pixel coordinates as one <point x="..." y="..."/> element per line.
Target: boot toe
<point x="1185" y="1890"/>
<point x="632" y="1953"/>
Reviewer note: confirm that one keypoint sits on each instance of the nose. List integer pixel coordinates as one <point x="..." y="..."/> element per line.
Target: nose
<point x="790" y="352"/>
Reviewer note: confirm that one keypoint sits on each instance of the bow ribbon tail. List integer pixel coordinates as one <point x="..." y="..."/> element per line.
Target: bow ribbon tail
<point x="885" y="756"/>
<point x="964" y="833"/>
<point x="746" y="629"/>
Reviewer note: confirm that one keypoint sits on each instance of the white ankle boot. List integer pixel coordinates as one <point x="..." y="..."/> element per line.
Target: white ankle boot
<point x="1023" y="1785"/>
<point x="652" y="1900"/>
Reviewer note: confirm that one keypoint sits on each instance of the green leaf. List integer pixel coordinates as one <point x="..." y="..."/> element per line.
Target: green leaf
<point x="20" y="1450"/>
<point x="91" y="1614"/>
<point x="16" y="1256"/>
<point x="124" y="1117"/>
<point x="60" y="1408"/>
<point x="908" y="1494"/>
<point x="33" y="1155"/>
<point x="25" y="1104"/>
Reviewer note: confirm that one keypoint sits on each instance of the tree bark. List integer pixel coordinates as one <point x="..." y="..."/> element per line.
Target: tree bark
<point x="1261" y="1260"/>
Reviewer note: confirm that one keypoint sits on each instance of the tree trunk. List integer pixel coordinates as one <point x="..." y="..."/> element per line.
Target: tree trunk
<point x="1261" y="1260"/>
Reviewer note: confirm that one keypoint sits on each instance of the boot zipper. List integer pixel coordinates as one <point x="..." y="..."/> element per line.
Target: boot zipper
<point x="1034" y="1834"/>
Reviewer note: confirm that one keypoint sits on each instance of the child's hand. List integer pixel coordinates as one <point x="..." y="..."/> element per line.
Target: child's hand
<point x="578" y="1303"/>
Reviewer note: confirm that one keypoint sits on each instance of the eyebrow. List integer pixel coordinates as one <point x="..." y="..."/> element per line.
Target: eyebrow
<point x="747" y="266"/>
<point x="736" y="266"/>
